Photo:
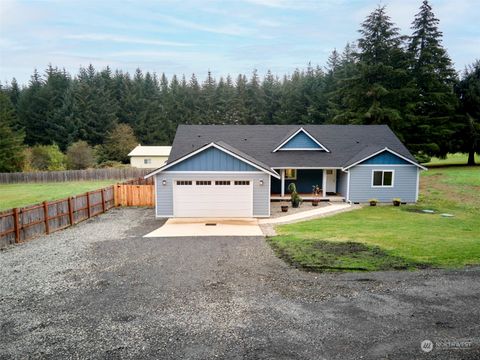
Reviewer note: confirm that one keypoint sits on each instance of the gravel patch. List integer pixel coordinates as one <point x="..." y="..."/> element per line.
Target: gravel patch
<point x="100" y="290"/>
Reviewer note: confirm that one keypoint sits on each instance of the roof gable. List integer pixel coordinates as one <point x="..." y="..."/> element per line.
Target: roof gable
<point x="300" y="140"/>
<point x="384" y="158"/>
<point x="215" y="157"/>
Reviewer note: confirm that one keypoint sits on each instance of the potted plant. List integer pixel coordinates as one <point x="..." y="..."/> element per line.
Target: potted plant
<point x="373" y="202"/>
<point x="316" y="194"/>
<point x="396" y="201"/>
<point x="284" y="208"/>
<point x="294" y="197"/>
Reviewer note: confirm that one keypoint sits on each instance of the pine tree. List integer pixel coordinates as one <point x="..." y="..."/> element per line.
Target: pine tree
<point x="433" y="103"/>
<point x="467" y="138"/>
<point x="11" y="142"/>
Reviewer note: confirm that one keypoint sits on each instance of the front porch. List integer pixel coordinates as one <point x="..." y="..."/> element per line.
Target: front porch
<point x="305" y="181"/>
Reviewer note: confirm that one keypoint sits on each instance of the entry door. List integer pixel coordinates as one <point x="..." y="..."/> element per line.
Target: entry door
<point x="213" y="198"/>
<point x="331" y="185"/>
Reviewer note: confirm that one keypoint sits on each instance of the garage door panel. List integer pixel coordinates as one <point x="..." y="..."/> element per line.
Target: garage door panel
<point x="213" y="200"/>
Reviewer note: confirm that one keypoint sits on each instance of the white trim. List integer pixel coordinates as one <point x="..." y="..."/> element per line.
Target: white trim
<point x="214" y="172"/>
<point x="155" y="194"/>
<point x="212" y="144"/>
<point x="302" y="149"/>
<point x="269" y="195"/>
<point x="382" y="150"/>
<point x="294" y="134"/>
<point x="307" y="168"/>
<point x="373" y="165"/>
<point x="383" y="171"/>
<point x="348" y="185"/>
<point x="417" y="185"/>
<point x="282" y="182"/>
<point x="324" y="183"/>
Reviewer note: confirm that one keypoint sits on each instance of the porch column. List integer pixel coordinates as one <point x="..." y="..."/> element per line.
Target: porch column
<point x="324" y="182"/>
<point x="282" y="182"/>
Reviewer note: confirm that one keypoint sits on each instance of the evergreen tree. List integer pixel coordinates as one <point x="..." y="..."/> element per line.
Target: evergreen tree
<point x="11" y="142"/>
<point x="433" y="102"/>
<point x="467" y="138"/>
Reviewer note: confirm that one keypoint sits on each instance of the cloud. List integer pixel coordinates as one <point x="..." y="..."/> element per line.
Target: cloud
<point x="123" y="39"/>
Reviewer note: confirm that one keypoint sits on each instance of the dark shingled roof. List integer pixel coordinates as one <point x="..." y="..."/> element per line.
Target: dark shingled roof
<point x="346" y="143"/>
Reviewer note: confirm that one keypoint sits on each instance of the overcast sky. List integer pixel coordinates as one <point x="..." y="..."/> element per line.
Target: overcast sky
<point x="184" y="37"/>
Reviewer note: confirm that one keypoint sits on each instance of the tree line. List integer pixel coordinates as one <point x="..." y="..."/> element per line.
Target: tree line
<point x="385" y="77"/>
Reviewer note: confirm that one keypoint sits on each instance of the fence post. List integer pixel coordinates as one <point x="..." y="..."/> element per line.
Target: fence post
<point x="103" y="200"/>
<point x="88" y="204"/>
<point x="70" y="210"/>
<point x="16" y="221"/>
<point x="45" y="212"/>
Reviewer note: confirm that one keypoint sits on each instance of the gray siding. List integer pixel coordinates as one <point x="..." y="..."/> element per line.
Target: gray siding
<point x="342" y="179"/>
<point x="164" y="193"/>
<point x="404" y="184"/>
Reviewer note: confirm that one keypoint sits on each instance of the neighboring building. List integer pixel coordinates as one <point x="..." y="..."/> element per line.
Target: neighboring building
<point x="151" y="157"/>
<point x="237" y="170"/>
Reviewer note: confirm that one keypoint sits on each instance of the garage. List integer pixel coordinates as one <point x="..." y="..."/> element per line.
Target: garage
<point x="213" y="198"/>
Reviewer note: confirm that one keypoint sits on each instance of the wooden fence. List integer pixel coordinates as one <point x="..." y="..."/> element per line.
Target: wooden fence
<point x="22" y="224"/>
<point x="73" y="175"/>
<point x="137" y="192"/>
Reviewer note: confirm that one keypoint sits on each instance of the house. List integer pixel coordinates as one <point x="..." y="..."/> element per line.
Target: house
<point x="237" y="170"/>
<point x="150" y="157"/>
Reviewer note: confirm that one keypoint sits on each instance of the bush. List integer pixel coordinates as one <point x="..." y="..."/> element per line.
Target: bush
<point x="46" y="157"/>
<point x="80" y="156"/>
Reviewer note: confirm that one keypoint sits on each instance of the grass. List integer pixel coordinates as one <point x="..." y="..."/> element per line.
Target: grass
<point x="452" y="159"/>
<point x="18" y="195"/>
<point x="387" y="237"/>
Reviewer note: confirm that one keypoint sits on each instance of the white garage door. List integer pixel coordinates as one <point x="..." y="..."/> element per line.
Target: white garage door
<point x="213" y="198"/>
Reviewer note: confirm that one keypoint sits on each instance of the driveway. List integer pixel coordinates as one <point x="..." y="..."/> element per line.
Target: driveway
<point x="101" y="290"/>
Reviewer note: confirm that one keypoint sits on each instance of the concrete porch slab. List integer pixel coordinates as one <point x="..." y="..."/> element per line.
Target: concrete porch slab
<point x="179" y="227"/>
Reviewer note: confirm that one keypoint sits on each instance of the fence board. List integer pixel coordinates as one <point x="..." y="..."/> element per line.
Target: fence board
<point x="73" y="175"/>
<point x="134" y="195"/>
<point x="51" y="216"/>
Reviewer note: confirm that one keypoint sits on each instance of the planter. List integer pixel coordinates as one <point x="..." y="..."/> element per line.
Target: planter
<point x="373" y="203"/>
<point x="284" y="208"/>
<point x="314" y="202"/>
<point x="396" y="203"/>
<point x="295" y="204"/>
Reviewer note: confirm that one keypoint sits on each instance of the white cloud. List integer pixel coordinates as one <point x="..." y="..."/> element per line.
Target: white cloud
<point x="123" y="39"/>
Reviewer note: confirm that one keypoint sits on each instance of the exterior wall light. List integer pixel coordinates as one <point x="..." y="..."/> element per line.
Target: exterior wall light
<point x="164" y="182"/>
<point x="261" y="182"/>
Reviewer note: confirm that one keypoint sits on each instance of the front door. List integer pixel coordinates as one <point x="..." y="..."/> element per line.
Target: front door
<point x="331" y="184"/>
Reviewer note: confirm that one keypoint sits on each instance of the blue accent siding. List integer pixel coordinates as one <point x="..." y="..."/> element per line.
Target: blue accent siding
<point x="385" y="158"/>
<point x="305" y="180"/>
<point x="212" y="159"/>
<point x="301" y="141"/>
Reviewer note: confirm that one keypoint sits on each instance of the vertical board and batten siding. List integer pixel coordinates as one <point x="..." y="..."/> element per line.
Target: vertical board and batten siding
<point x="164" y="193"/>
<point x="342" y="183"/>
<point x="301" y="141"/>
<point x="385" y="158"/>
<point x="404" y="183"/>
<point x="212" y="159"/>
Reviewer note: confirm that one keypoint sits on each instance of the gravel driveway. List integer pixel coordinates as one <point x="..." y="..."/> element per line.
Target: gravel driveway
<point x="100" y="290"/>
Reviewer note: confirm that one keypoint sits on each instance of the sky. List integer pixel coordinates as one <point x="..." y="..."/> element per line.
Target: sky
<point x="187" y="36"/>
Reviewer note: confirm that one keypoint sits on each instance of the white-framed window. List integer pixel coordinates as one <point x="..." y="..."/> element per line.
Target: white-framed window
<point x="147" y="161"/>
<point x="241" y="182"/>
<point x="184" y="182"/>
<point x="290" y="174"/>
<point x="382" y="178"/>
<point x="222" y="182"/>
<point x="203" y="182"/>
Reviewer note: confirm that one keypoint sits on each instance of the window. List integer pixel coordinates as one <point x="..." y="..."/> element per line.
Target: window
<point x="290" y="174"/>
<point x="184" y="182"/>
<point x="147" y="161"/>
<point x="222" y="182"/>
<point x="242" y="182"/>
<point x="203" y="182"/>
<point x="382" y="178"/>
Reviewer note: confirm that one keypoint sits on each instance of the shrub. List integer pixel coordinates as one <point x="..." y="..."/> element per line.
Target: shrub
<point x="80" y="156"/>
<point x="46" y="157"/>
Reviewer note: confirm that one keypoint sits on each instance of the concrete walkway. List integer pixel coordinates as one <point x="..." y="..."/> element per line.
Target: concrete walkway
<point x="305" y="215"/>
<point x="191" y="227"/>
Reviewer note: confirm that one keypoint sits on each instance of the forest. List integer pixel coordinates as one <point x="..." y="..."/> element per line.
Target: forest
<point x="405" y="81"/>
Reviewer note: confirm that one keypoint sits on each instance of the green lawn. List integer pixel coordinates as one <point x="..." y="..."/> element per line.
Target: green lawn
<point x="18" y="195"/>
<point x="387" y="237"/>
<point x="452" y="159"/>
